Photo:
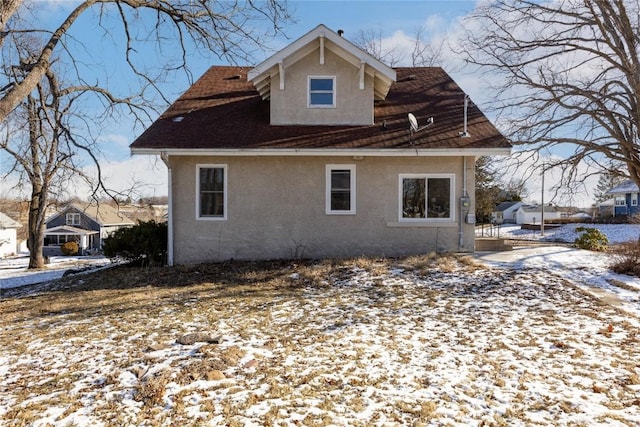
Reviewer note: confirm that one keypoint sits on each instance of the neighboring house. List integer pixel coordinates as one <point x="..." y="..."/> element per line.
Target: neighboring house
<point x="86" y="224"/>
<point x="8" y="236"/>
<point x="532" y="214"/>
<point x="312" y="153"/>
<point x="505" y="213"/>
<point x="606" y="208"/>
<point x="625" y="197"/>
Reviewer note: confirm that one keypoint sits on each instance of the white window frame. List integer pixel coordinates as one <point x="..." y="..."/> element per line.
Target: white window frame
<point x="352" y="189"/>
<point x="427" y="176"/>
<point x="634" y="199"/>
<point x="621" y="201"/>
<point x="333" y="92"/>
<point x="224" y="201"/>
<point x="72" y="218"/>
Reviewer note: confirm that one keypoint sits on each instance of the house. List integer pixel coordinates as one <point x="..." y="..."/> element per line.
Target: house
<point x="532" y="214"/>
<point x="86" y="224"/>
<point x="313" y="153"/>
<point x="505" y="213"/>
<point x="625" y="198"/>
<point x="8" y="236"/>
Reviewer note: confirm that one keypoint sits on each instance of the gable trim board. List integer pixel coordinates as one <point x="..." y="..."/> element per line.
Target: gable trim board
<point x="278" y="155"/>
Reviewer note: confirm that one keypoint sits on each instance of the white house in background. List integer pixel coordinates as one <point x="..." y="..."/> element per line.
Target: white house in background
<point x="8" y="236"/>
<point x="531" y="214"/>
<point x="505" y="213"/>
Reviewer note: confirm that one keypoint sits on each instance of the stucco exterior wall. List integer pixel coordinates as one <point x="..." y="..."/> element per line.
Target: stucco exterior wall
<point x="353" y="105"/>
<point x="276" y="209"/>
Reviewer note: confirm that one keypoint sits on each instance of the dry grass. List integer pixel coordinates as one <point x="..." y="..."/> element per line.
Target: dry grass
<point x="417" y="341"/>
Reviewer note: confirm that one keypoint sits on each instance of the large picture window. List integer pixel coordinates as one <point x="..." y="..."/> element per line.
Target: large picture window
<point x="322" y="92"/>
<point x="341" y="189"/>
<point x="426" y="197"/>
<point x="211" y="188"/>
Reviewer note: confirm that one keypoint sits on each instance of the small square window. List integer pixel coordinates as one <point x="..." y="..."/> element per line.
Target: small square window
<point x="322" y="93"/>
<point x="72" y="219"/>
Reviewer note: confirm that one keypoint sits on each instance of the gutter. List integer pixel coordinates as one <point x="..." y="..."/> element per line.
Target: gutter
<point x="165" y="158"/>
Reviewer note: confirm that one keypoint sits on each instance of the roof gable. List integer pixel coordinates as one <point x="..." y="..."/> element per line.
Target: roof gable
<point x="7" y="222"/>
<point x="103" y="214"/>
<point x="320" y="38"/>
<point x="627" y="186"/>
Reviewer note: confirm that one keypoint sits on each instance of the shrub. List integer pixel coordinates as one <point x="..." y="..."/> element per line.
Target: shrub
<point x="70" y="248"/>
<point x="627" y="259"/>
<point x="144" y="243"/>
<point x="592" y="239"/>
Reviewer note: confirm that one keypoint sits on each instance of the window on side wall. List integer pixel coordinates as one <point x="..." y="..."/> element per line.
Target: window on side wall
<point x="620" y="201"/>
<point x="426" y="197"/>
<point x="211" y="192"/>
<point x="634" y="199"/>
<point x="321" y="92"/>
<point x="73" y="219"/>
<point x="341" y="189"/>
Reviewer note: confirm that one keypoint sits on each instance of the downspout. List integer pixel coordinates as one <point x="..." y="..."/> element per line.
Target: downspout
<point x="464" y="194"/>
<point x="165" y="159"/>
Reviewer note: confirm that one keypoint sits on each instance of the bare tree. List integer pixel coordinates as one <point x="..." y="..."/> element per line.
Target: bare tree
<point x="569" y="76"/>
<point x="426" y="53"/>
<point x="230" y="30"/>
<point x="373" y="41"/>
<point x="378" y="44"/>
<point x="39" y="117"/>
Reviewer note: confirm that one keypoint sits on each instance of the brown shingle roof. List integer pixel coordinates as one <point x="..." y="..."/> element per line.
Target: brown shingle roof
<point x="222" y="110"/>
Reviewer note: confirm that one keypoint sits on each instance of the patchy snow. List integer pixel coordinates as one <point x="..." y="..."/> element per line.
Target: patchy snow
<point x="14" y="272"/>
<point x="522" y="342"/>
<point x="616" y="233"/>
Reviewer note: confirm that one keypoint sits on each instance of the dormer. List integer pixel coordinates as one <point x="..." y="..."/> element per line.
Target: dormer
<point x="322" y="79"/>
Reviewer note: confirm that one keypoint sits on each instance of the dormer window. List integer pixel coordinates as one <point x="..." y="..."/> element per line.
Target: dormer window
<point x="322" y="92"/>
<point x="72" y="219"/>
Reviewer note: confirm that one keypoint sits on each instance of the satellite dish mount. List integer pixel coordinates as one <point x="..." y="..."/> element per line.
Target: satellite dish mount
<point x="413" y="125"/>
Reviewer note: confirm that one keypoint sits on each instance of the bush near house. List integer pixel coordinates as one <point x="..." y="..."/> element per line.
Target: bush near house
<point x="592" y="239"/>
<point x="627" y="259"/>
<point x="144" y="243"/>
<point x="69" y="249"/>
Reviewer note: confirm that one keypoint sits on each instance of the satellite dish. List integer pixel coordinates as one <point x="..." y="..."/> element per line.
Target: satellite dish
<point x="413" y="123"/>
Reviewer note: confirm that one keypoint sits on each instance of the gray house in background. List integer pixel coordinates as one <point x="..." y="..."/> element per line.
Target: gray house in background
<point x="320" y="151"/>
<point x="505" y="213"/>
<point x="625" y="197"/>
<point x="86" y="224"/>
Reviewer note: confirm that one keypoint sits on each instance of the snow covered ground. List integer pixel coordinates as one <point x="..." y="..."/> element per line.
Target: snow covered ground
<point x="14" y="272"/>
<point x="616" y="233"/>
<point x="537" y="336"/>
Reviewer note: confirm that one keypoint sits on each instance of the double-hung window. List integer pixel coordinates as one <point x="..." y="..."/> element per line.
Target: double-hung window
<point x="634" y="199"/>
<point x="341" y="189"/>
<point x="211" y="192"/>
<point x="322" y="92"/>
<point x="73" y="219"/>
<point x="621" y="201"/>
<point x="426" y="197"/>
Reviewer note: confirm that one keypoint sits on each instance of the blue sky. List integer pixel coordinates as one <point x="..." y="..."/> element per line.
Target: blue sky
<point x="398" y="21"/>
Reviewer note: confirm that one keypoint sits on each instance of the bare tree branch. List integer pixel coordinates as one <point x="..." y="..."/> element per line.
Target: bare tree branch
<point x="569" y="75"/>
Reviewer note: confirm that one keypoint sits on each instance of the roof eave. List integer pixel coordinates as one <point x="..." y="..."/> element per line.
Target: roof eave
<point x="377" y="152"/>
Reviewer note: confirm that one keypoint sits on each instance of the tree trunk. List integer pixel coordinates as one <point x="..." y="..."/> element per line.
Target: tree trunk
<point x="35" y="238"/>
